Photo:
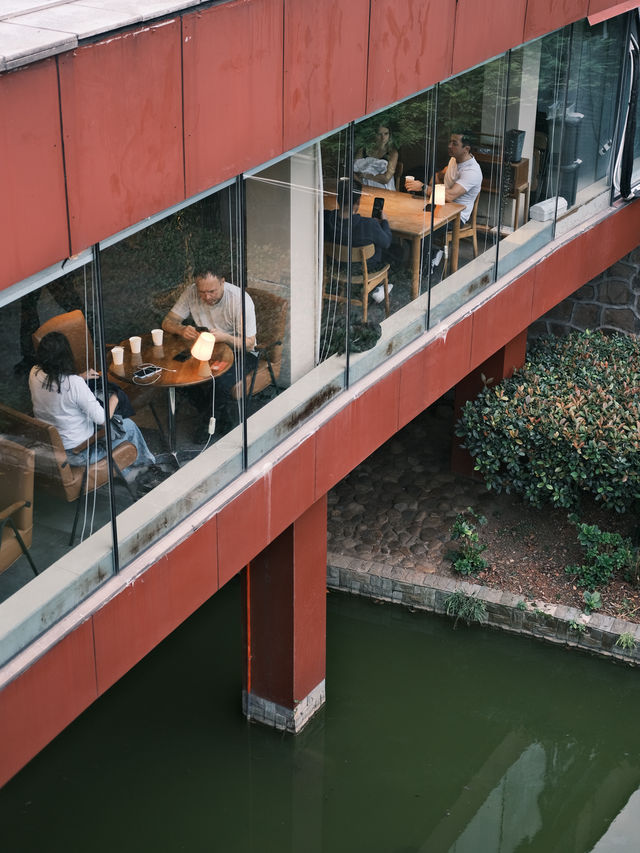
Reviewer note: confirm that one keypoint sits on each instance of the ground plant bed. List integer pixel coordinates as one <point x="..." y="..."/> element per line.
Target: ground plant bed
<point x="398" y="507"/>
<point x="528" y="550"/>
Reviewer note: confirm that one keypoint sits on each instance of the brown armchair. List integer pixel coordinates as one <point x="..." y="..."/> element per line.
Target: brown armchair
<point x="16" y="506"/>
<point x="53" y="471"/>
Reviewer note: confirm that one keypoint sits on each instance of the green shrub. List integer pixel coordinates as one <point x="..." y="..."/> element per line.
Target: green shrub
<point x="592" y="601"/>
<point x="606" y="554"/>
<point x="566" y="424"/>
<point x="468" y="560"/>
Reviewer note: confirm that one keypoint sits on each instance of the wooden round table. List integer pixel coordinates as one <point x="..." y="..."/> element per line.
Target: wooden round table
<point x="174" y="374"/>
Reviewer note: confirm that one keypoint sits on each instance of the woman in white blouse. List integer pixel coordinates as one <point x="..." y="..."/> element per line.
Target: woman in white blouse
<point x="62" y="397"/>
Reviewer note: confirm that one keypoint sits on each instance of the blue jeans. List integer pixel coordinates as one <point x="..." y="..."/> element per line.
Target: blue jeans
<point x="99" y="451"/>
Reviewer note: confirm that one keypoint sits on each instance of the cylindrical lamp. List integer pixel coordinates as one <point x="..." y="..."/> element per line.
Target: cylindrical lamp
<point x="202" y="350"/>
<point x="439" y="197"/>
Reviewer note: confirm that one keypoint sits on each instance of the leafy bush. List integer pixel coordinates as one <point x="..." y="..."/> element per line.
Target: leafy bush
<point x="566" y="424"/>
<point x="592" y="601"/>
<point x="606" y="554"/>
<point x="468" y="560"/>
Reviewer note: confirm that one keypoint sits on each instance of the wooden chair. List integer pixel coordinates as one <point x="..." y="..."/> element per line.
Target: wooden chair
<point x="335" y="256"/>
<point x="74" y="327"/>
<point x="16" y="506"/>
<point x="53" y="471"/>
<point x="271" y="319"/>
<point x="469" y="229"/>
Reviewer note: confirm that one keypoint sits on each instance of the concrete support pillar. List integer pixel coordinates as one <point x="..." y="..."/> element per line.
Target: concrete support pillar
<point x="496" y="368"/>
<point x="284" y="594"/>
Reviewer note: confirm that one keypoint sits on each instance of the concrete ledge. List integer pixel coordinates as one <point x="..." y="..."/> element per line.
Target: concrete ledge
<point x="276" y="716"/>
<point x="594" y="633"/>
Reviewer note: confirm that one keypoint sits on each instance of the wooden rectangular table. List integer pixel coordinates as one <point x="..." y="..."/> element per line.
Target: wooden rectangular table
<point x="408" y="218"/>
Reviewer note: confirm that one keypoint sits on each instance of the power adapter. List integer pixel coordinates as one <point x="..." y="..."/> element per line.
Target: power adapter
<point x="212" y="426"/>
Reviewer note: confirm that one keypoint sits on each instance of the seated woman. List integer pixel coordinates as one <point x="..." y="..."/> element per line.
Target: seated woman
<point x="61" y="397"/>
<point x="382" y="149"/>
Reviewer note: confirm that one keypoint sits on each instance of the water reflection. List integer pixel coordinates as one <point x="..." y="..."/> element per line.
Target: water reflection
<point x="432" y="740"/>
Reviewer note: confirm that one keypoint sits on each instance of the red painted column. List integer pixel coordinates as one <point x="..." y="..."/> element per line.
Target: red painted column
<point x="497" y="367"/>
<point x="284" y="594"/>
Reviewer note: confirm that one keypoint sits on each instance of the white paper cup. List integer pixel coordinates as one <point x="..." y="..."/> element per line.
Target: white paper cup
<point x="409" y="178"/>
<point x="117" y="354"/>
<point x="157" y="335"/>
<point x="134" y="342"/>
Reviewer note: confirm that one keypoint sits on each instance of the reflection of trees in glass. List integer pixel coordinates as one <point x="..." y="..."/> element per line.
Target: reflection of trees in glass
<point x="142" y="274"/>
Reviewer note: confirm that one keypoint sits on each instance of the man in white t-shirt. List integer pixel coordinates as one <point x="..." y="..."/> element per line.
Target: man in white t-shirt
<point x="215" y="305"/>
<point x="462" y="176"/>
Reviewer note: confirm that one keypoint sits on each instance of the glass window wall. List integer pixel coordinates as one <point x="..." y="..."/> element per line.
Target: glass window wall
<point x="54" y="477"/>
<point x="173" y="318"/>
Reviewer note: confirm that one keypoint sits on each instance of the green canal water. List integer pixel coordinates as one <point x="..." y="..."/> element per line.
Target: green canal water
<point x="431" y="740"/>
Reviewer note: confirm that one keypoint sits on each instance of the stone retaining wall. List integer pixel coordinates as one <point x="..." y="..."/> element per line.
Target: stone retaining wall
<point x="566" y="626"/>
<point x="610" y="302"/>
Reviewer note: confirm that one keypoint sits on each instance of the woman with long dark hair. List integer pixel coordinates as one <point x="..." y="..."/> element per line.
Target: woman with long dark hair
<point x="62" y="397"/>
<point x="383" y="150"/>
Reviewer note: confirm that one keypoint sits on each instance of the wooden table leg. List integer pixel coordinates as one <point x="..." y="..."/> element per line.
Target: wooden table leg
<point x="455" y="243"/>
<point x="415" y="266"/>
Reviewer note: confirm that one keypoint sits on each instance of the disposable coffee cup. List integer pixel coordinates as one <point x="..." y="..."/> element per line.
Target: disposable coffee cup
<point x="157" y="335"/>
<point x="134" y="342"/>
<point x="408" y="178"/>
<point x="117" y="354"/>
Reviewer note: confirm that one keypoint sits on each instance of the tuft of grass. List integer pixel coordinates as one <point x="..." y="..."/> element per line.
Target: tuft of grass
<point x="627" y="642"/>
<point x="466" y="607"/>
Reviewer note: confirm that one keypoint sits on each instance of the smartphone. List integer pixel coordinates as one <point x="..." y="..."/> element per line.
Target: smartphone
<point x="182" y="356"/>
<point x="378" y="204"/>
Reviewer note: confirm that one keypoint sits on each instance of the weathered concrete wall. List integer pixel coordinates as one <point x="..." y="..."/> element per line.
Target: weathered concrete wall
<point x="610" y="301"/>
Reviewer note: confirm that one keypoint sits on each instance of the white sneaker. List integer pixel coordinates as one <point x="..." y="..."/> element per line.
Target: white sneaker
<point x="436" y="259"/>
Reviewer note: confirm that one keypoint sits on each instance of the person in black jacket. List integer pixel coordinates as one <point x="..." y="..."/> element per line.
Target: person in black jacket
<point x="365" y="229"/>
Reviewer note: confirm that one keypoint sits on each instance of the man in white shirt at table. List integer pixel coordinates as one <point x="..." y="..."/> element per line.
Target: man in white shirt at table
<point x="462" y="176"/>
<point x="215" y="305"/>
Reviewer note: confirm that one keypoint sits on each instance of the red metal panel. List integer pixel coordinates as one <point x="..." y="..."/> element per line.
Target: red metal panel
<point x="33" y="213"/>
<point x="310" y="599"/>
<point x="376" y="417"/>
<point x="502" y="318"/>
<point x="232" y="89"/>
<point x="484" y="30"/>
<point x="336" y="448"/>
<point x="143" y="614"/>
<point x="434" y="371"/>
<point x="602" y="10"/>
<point x="410" y="48"/>
<point x="242" y="530"/>
<point x="325" y="66"/>
<point x="293" y="483"/>
<point x="45" y="698"/>
<point x="543" y="16"/>
<point x="122" y="122"/>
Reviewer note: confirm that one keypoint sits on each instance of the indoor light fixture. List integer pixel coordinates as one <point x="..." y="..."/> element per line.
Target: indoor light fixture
<point x="202" y="350"/>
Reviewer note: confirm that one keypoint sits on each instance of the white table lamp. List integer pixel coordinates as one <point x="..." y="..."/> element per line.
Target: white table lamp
<point x="202" y="350"/>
